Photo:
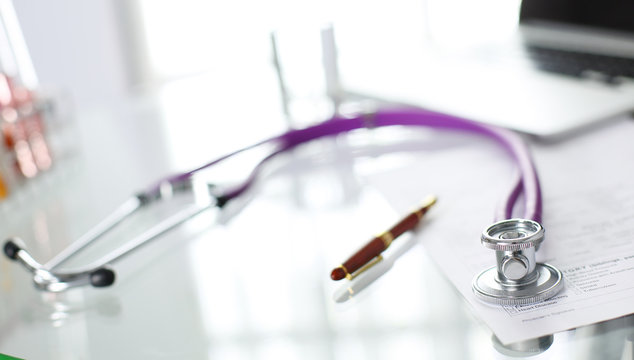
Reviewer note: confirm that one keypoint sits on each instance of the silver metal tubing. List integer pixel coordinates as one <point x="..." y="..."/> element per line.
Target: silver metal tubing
<point x="98" y="273"/>
<point x="145" y="237"/>
<point x="124" y="211"/>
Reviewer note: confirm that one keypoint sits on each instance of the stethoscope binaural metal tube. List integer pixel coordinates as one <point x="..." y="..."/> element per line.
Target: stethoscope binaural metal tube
<point x="99" y="273"/>
<point x="49" y="278"/>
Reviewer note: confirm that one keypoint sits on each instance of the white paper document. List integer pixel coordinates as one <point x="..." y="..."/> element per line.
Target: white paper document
<point x="588" y="191"/>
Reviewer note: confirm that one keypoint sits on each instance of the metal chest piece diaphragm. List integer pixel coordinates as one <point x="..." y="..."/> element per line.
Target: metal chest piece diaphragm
<point x="517" y="279"/>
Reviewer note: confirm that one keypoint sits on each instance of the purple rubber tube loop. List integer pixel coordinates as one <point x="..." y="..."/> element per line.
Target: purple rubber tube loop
<point x="505" y="210"/>
<point x="509" y="140"/>
<point x="527" y="181"/>
<point x="240" y="189"/>
<point x="156" y="187"/>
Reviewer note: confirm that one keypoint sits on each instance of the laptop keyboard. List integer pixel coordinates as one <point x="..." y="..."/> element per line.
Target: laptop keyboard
<point x="578" y="64"/>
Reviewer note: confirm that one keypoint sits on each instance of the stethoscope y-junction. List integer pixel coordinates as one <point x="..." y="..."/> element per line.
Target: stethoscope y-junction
<point x="516" y="279"/>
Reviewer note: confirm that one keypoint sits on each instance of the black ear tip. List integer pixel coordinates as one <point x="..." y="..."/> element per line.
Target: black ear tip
<point x="102" y="277"/>
<point x="11" y="249"/>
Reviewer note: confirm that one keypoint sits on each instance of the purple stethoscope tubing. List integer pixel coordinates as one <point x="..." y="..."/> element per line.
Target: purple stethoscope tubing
<point x="98" y="273"/>
<point x="525" y="182"/>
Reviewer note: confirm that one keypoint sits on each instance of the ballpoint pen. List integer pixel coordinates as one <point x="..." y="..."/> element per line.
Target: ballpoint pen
<point x="370" y="254"/>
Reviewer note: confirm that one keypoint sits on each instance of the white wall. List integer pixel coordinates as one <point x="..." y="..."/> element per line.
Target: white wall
<point x="76" y="46"/>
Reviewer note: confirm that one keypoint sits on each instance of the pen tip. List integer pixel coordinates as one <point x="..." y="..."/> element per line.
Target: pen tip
<point x="430" y="201"/>
<point x="337" y="274"/>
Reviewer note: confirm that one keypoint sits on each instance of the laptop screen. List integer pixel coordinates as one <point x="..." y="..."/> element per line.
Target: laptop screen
<point x="615" y="15"/>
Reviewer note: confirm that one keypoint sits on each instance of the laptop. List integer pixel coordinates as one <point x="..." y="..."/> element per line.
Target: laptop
<point x="569" y="66"/>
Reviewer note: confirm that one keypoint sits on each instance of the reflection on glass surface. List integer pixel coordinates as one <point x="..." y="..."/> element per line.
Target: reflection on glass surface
<point x="273" y="299"/>
<point x="526" y="348"/>
<point x="257" y="287"/>
<point x="254" y="285"/>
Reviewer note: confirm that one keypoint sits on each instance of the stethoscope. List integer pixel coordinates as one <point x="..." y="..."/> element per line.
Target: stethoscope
<point x="517" y="278"/>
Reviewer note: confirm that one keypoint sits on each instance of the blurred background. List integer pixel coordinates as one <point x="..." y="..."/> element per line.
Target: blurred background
<point x="184" y="82"/>
<point x="209" y="63"/>
<point x="133" y="90"/>
<point x="105" y="50"/>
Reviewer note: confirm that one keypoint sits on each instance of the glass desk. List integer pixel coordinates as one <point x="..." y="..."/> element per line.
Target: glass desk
<point x="253" y="281"/>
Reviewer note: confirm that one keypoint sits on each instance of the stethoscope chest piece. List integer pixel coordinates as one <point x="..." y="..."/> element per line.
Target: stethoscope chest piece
<point x="517" y="279"/>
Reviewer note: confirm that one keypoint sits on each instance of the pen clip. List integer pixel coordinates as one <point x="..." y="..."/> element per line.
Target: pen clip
<point x="364" y="268"/>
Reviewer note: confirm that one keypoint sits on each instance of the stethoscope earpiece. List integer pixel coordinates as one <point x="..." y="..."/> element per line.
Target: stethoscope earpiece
<point x="49" y="277"/>
<point x="102" y="277"/>
<point x="11" y="249"/>
<point x="49" y="280"/>
<point x="517" y="279"/>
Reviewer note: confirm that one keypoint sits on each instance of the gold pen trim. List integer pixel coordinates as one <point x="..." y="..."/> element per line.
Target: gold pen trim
<point x="427" y="203"/>
<point x="348" y="276"/>
<point x="364" y="268"/>
<point x="387" y="238"/>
